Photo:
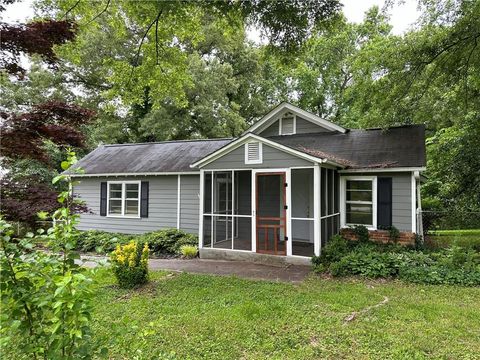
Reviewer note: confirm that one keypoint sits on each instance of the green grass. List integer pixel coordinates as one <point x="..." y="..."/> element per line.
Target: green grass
<point x="200" y="316"/>
<point x="445" y="238"/>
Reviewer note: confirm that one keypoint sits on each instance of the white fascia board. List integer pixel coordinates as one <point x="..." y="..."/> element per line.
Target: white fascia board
<point x="376" y="170"/>
<point x="136" y="174"/>
<point x="245" y="138"/>
<point x="264" y="122"/>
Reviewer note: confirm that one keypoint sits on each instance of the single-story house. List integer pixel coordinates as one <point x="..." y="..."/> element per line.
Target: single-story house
<point x="283" y="188"/>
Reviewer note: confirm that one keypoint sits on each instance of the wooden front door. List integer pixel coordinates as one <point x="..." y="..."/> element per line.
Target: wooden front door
<point x="271" y="213"/>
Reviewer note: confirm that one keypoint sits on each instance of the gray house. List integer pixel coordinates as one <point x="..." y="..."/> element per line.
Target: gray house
<point x="283" y="188"/>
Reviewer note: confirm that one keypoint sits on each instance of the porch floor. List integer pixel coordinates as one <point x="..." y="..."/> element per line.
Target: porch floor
<point x="299" y="248"/>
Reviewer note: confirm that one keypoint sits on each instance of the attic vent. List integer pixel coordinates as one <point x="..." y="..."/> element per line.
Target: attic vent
<point x="287" y="124"/>
<point x="253" y="153"/>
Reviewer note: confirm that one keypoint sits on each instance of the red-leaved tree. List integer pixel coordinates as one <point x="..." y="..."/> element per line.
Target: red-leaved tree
<point x="24" y="136"/>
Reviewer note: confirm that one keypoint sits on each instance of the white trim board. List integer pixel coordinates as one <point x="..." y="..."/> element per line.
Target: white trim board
<point x="135" y="174"/>
<point x="268" y="119"/>
<point x="245" y="138"/>
<point x="381" y="170"/>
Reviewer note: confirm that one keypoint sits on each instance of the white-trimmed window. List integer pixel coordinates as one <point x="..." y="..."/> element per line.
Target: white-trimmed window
<point x="253" y="152"/>
<point x="359" y="201"/>
<point x="123" y="198"/>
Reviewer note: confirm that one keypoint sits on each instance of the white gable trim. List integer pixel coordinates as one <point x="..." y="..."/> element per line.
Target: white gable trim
<point x="268" y="119"/>
<point x="245" y="138"/>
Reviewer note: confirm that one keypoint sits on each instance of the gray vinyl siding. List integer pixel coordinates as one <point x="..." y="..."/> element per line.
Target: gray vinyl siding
<point x="189" y="203"/>
<point x="401" y="198"/>
<point x="402" y="201"/>
<point x="272" y="130"/>
<point x="305" y="127"/>
<point x="272" y="158"/>
<point x="162" y="207"/>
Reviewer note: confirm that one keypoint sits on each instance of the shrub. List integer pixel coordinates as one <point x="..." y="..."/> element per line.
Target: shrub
<point x="361" y="232"/>
<point x="335" y="249"/>
<point x="46" y="297"/>
<point x="160" y="242"/>
<point x="101" y="241"/>
<point x="455" y="265"/>
<point x="168" y="241"/>
<point x="189" y="251"/>
<point x="130" y="264"/>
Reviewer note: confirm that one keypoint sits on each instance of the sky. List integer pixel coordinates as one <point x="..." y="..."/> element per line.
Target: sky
<point x="402" y="15"/>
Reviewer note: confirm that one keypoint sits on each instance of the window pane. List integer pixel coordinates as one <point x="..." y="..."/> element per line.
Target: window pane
<point x="116" y="191"/>
<point x="359" y="214"/>
<point x="359" y="184"/>
<point x="302" y="193"/>
<point x="115" y="207"/>
<point x="359" y="195"/>
<point x="132" y="191"/>
<point x="131" y="207"/>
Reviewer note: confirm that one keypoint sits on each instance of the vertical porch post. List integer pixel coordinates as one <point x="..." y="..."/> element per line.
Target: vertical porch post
<point x="254" y="211"/>
<point x="200" y="223"/>
<point x="289" y="211"/>
<point x="316" y="210"/>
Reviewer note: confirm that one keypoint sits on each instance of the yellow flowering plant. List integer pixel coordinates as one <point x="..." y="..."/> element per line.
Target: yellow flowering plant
<point x="130" y="264"/>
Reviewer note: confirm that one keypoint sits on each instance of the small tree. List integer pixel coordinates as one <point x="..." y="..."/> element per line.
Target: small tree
<point x="46" y="297"/>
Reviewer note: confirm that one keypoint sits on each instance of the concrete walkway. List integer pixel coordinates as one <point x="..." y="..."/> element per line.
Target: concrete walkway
<point x="242" y="269"/>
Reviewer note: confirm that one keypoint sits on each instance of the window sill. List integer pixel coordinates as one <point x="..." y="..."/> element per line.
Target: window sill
<point x="123" y="217"/>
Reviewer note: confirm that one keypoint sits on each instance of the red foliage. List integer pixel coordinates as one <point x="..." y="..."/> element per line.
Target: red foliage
<point x="23" y="199"/>
<point x="37" y="37"/>
<point x="24" y="134"/>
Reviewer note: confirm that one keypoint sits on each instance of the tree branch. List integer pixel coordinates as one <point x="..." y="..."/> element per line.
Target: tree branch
<point x="100" y="13"/>
<point x="71" y="9"/>
<point x="137" y="56"/>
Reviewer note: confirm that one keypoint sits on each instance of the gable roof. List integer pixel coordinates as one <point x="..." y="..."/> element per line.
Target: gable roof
<point x="147" y="158"/>
<point x="270" y="118"/>
<point x="397" y="147"/>
<point x="265" y="140"/>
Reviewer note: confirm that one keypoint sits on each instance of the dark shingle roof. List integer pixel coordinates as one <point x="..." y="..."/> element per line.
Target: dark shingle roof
<point x="402" y="146"/>
<point x="167" y="156"/>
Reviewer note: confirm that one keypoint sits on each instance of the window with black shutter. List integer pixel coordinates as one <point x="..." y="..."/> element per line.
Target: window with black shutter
<point x="384" y="202"/>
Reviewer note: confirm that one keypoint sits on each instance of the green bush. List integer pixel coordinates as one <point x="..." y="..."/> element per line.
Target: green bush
<point x="101" y="241"/>
<point x="361" y="232"/>
<point x="189" y="251"/>
<point x="168" y="241"/>
<point x="160" y="242"/>
<point x="130" y="264"/>
<point x="455" y="265"/>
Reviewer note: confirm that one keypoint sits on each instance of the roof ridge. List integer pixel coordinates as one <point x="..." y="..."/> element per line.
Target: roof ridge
<point x="168" y="142"/>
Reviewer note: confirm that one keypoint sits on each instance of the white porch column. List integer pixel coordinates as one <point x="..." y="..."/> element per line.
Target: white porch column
<point x="289" y="211"/>
<point x="200" y="212"/>
<point x="254" y="211"/>
<point x="316" y="210"/>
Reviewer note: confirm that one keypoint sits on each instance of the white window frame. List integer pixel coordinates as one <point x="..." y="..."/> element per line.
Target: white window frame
<point x="260" y="153"/>
<point x="280" y="124"/>
<point x="343" y="200"/>
<point x="123" y="199"/>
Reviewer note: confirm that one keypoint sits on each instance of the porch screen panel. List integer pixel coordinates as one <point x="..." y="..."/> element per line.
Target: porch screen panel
<point x="242" y="210"/>
<point x="227" y="208"/>
<point x="207" y="231"/>
<point x="302" y="212"/>
<point x="243" y="193"/>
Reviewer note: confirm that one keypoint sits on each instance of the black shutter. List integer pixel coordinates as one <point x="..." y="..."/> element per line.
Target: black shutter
<point x="144" y="200"/>
<point x="384" y="202"/>
<point x="103" y="199"/>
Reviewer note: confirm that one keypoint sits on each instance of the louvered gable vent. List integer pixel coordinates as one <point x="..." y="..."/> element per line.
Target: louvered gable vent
<point x="253" y="153"/>
<point x="287" y="124"/>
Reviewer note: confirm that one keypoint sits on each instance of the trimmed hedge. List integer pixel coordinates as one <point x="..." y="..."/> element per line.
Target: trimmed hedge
<point x="455" y="265"/>
<point x="161" y="242"/>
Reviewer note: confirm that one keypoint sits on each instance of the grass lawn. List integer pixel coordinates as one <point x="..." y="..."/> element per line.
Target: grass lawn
<point x="445" y="238"/>
<point x="200" y="316"/>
